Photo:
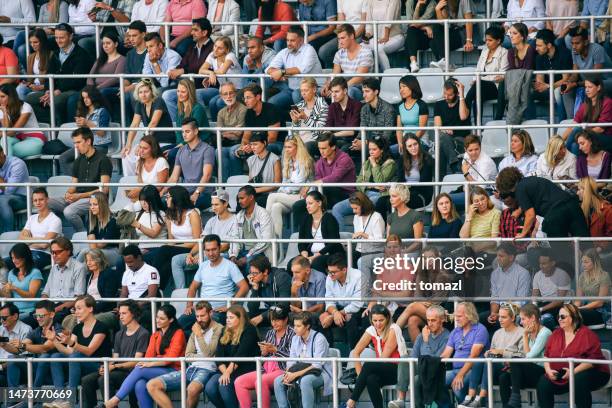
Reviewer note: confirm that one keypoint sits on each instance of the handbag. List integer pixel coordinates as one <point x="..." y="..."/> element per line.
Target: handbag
<point x="259" y="177"/>
<point x="54" y="147"/>
<point x="349" y="376"/>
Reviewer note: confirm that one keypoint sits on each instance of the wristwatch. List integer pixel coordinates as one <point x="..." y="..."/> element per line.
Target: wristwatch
<point x="466" y="174"/>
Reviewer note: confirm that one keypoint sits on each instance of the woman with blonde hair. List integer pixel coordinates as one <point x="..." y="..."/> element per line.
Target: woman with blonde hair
<point x="102" y="225"/>
<point x="238" y="339"/>
<point x="593" y="281"/>
<point x="297" y="167"/>
<point x="310" y="112"/>
<point x="404" y="221"/>
<point x="556" y="163"/>
<point x="597" y="211"/>
<point x="482" y="219"/>
<point x="522" y="153"/>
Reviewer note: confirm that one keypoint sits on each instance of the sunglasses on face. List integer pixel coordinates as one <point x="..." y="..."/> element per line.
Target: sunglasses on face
<point x="562" y="317"/>
<point x="4" y="318"/>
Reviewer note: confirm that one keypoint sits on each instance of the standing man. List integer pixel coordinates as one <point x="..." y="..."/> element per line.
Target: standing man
<point x="159" y="59"/>
<point x="12" y="198"/>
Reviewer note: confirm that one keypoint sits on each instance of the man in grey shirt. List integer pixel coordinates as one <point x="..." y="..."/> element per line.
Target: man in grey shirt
<point x="586" y="55"/>
<point x="66" y="279"/>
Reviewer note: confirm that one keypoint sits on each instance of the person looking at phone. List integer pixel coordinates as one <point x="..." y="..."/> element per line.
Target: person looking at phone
<point x="310" y="112"/>
<point x="12" y="334"/>
<point x="572" y="340"/>
<point x="266" y="282"/>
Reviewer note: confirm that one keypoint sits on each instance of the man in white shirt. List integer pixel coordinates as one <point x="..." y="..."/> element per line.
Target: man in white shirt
<point x="140" y="280"/>
<point x="150" y="11"/>
<point x="297" y="58"/>
<point x="550" y="281"/>
<point x="16" y="331"/>
<point x="15" y="11"/>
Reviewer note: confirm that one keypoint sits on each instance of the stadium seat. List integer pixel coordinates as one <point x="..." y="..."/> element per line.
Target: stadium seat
<point x="465" y="79"/>
<point x="115" y="149"/>
<point x="6" y="248"/>
<point x="179" y="306"/>
<point x="57" y="191"/>
<point x="495" y="141"/>
<point x="121" y="200"/>
<point x="65" y="136"/>
<point x="233" y="191"/>
<point x="449" y="178"/>
<point x="539" y="136"/>
<point x="567" y="123"/>
<point x="78" y="247"/>
<point x="431" y="85"/>
<point x="389" y="86"/>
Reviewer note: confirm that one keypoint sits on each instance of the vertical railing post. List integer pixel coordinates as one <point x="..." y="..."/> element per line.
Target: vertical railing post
<point x="274" y="252"/>
<point x="551" y="99"/>
<point x="30" y="379"/>
<point x="27" y="41"/>
<point x="466" y="198"/>
<point x="411" y="389"/>
<point x="576" y="259"/>
<point x="5" y="142"/>
<point x="200" y="251"/>
<point x="258" y="381"/>
<point x="106" y="390"/>
<point x="236" y="37"/>
<point x="490" y="382"/>
<point x="572" y="384"/>
<point x="363" y="135"/>
<point x="437" y="159"/>
<point x="305" y="27"/>
<point x="335" y="397"/>
<point x="154" y="311"/>
<point x="219" y="156"/>
<point x="167" y="29"/>
<point x="592" y="28"/>
<point x="28" y="201"/>
<point x="122" y="109"/>
<point x="349" y="254"/>
<point x="446" y="44"/>
<point x="51" y="102"/>
<point x="509" y="138"/>
<point x="375" y="49"/>
<point x="183" y="383"/>
<point x="478" y="103"/>
<point x="97" y="34"/>
<point x="262" y="84"/>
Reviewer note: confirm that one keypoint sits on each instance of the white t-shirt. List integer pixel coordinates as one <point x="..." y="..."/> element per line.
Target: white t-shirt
<point x="208" y="365"/>
<point x="374" y="226"/>
<point x="40" y="229"/>
<point x="233" y="69"/>
<point x="549" y="285"/>
<point x="138" y="282"/>
<point x="25" y="108"/>
<point x="161" y="164"/>
<point x="150" y="13"/>
<point x="79" y="14"/>
<point x="317" y="235"/>
<point x="149" y="220"/>
<point x="352" y="9"/>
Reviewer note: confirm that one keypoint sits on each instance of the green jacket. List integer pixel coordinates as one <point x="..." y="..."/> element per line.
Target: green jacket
<point x="379" y="174"/>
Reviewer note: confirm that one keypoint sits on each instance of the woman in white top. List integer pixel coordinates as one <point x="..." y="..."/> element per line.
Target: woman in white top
<point x="556" y="163"/>
<point x="520" y="9"/>
<point x="223" y="11"/>
<point x="522" y="154"/>
<point x="78" y="12"/>
<point x="182" y="222"/>
<point x="220" y="61"/>
<point x="367" y="224"/>
<point x="152" y="168"/>
<point x="310" y="112"/>
<point x="352" y="11"/>
<point x="493" y="58"/>
<point x="150" y="220"/>
<point x="297" y="167"/>
<point x="390" y="36"/>
<point x="38" y="61"/>
<point x="18" y="114"/>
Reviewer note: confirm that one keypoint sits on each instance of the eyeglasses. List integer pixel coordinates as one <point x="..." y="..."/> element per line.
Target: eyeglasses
<point x="3" y="318"/>
<point x="57" y="252"/>
<point x="562" y="317"/>
<point x="40" y="316"/>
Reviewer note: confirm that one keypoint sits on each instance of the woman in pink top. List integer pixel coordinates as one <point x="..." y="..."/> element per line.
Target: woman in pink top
<point x="182" y="11"/>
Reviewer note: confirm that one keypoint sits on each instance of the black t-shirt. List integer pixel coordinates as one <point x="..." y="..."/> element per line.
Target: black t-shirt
<point x="110" y="231"/>
<point x="450" y="117"/>
<point x="165" y="121"/>
<point x="267" y="117"/>
<point x="127" y="346"/>
<point x="105" y="349"/>
<point x="540" y="194"/>
<point x="91" y="169"/>
<point x="561" y="60"/>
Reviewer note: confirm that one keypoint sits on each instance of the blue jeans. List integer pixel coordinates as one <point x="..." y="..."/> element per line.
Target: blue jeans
<point x="172" y="381"/>
<point x="286" y="96"/>
<point x="572" y="143"/>
<point x="221" y="395"/>
<point x="343" y="208"/>
<point x="182" y="47"/>
<point x="137" y="381"/>
<point x="207" y="94"/>
<point x="279" y="45"/>
<point x="473" y="380"/>
<point x="9" y="204"/>
<point x="179" y="264"/>
<point x="308" y="384"/>
<point x="355" y="93"/>
<point x="230" y="165"/>
<point x="78" y="370"/>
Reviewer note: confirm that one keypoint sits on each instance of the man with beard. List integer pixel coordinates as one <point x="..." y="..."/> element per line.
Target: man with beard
<point x="202" y="343"/>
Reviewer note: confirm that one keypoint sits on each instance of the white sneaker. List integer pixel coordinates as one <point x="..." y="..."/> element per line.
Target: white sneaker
<point x="396" y="404"/>
<point x="466" y="402"/>
<point x="438" y="64"/>
<point x="414" y="67"/>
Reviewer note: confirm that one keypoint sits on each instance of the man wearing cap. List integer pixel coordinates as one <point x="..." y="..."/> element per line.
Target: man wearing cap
<point x="69" y="59"/>
<point x="266" y="282"/>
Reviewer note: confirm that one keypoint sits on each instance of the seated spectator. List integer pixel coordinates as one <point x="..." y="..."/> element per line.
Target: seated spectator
<point x="76" y="344"/>
<point x="452" y="111"/>
<point x="18" y="12"/>
<point x="517" y="11"/>
<point x="493" y="58"/>
<point x="35" y="343"/>
<point x="70" y="59"/>
<point x="16" y="331"/>
<point x="476" y="165"/>
<point x="596" y="108"/>
<point x="78" y="13"/>
<point x="180" y="12"/>
<point x="307" y="282"/>
<point x="375" y="112"/>
<point x="131" y="341"/>
<point x="140" y="280"/>
<point x="413" y="112"/>
<point x="556" y="163"/>
<point x="593" y="281"/>
<point x="430" y="342"/>
<point x="297" y="167"/>
<point x="24" y="281"/>
<point x="67" y="278"/>
<point x="592" y="160"/>
<point x="223" y="224"/>
<point x="508" y="280"/>
<point x="135" y="58"/>
<point x="277" y="343"/>
<point x="257" y="60"/>
<point x="238" y="339"/>
<point x="194" y="163"/>
<point x="167" y="341"/>
<point x="298" y="58"/>
<point x="334" y="166"/>
<point x="254" y="223"/>
<point x="553" y="57"/>
<point x="525" y="375"/>
<point x="317" y="226"/>
<point x="111" y="11"/>
<point x="151" y="111"/>
<point x="351" y="12"/>
<point x="274" y="10"/>
<point x="109" y="62"/>
<point x="202" y="342"/>
<point x="91" y="112"/>
<point x="445" y="220"/>
<point x="231" y="116"/>
<point x="223" y="12"/>
<point x="572" y="340"/>
<point x="216" y="277"/>
<point x="560" y="28"/>
<point x="321" y="37"/>
<point x="469" y="339"/>
<point x="351" y="58"/>
<point x="344" y="112"/>
<point x="522" y="154"/>
<point x="40" y="55"/>
<point x="404" y="221"/>
<point x="194" y="58"/>
<point x="264" y="167"/>
<point x="310" y="112"/>
<point x="415" y="315"/>
<point x="307" y="343"/>
<point x="221" y="61"/>
<point x="550" y="281"/>
<point x="367" y="224"/>
<point x="597" y="211"/>
<point x="17" y="114"/>
<point x="102" y="226"/>
<point x="149" y="12"/>
<point x="182" y="222"/>
<point x="481" y="220"/>
<point x="459" y="34"/>
<point x="379" y="168"/>
<point x="388" y="342"/>
<point x="418" y="35"/>
<point x="149" y="222"/>
<point x="266" y="282"/>
<point x="390" y="36"/>
<point x="43" y="225"/>
<point x="10" y="63"/>
<point x="586" y="56"/>
<point x="342" y="315"/>
<point x="159" y="59"/>
<point x="152" y="168"/>
<point x="12" y="198"/>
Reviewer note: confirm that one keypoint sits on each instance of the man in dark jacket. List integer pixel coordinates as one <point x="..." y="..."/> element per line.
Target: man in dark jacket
<point x="266" y="282"/>
<point x="68" y="59"/>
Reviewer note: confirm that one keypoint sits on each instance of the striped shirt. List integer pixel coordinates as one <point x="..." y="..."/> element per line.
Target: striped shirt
<point x="283" y="347"/>
<point x="350" y="66"/>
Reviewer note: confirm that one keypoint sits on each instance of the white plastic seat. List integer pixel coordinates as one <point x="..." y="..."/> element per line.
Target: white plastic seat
<point x="121" y="200"/>
<point x="539" y="136"/>
<point x="564" y="125"/>
<point x="233" y="191"/>
<point x="495" y="141"/>
<point x="431" y="86"/>
<point x="451" y="177"/>
<point x="78" y="247"/>
<point x="65" y="136"/>
<point x="389" y="86"/>
<point x="115" y="149"/>
<point x="292" y="251"/>
<point x="179" y="306"/>
<point x="57" y="191"/>
<point x="5" y="249"/>
<point x="465" y="79"/>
